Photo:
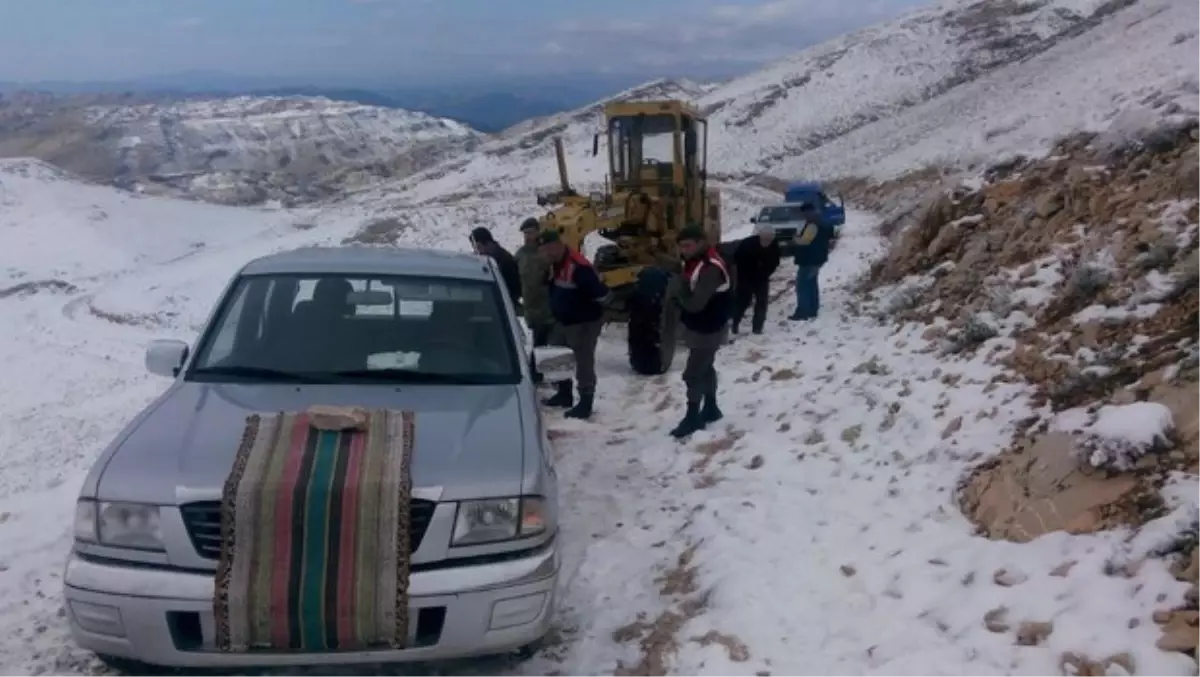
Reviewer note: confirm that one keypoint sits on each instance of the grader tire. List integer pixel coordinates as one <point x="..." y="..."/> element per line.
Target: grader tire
<point x="652" y="324"/>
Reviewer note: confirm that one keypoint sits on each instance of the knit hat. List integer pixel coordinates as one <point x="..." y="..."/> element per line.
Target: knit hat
<point x="529" y="224"/>
<point x="690" y="232"/>
<point x="762" y="228"/>
<point x="547" y="236"/>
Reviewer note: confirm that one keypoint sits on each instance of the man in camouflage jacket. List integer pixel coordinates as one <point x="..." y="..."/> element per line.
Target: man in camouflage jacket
<point x="535" y="294"/>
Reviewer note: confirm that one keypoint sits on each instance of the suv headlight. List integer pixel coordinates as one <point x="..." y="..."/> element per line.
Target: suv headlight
<point x="498" y="519"/>
<point x="119" y="525"/>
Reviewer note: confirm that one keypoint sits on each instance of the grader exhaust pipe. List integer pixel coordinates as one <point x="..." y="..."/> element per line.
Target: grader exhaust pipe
<point x="560" y="155"/>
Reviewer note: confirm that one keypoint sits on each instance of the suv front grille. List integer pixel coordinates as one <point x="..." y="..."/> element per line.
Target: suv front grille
<point x="203" y="523"/>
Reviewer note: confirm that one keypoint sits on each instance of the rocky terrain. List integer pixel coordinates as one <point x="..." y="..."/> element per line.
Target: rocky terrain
<point x="1078" y="273"/>
<point x="241" y="150"/>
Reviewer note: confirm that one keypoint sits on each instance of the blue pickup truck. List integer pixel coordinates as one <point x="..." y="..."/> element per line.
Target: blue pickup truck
<point x="786" y="217"/>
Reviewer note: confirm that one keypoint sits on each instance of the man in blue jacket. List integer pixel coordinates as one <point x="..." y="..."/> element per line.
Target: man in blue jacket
<point x="577" y="298"/>
<point x="810" y="253"/>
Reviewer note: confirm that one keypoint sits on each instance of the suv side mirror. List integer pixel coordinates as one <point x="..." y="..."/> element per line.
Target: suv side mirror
<point x="165" y="357"/>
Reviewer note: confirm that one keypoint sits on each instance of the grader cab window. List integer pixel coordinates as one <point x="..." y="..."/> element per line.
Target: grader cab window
<point x="639" y="142"/>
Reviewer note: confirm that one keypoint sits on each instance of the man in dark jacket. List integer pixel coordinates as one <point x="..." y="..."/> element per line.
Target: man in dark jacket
<point x="704" y="304"/>
<point x="811" y="252"/>
<point x="754" y="261"/>
<point x="577" y="298"/>
<point x="535" y="292"/>
<point x="486" y="245"/>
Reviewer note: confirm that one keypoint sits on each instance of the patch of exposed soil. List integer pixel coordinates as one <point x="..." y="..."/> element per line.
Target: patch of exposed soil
<point x="1083" y="267"/>
<point x="658" y="639"/>
<point x="380" y="232"/>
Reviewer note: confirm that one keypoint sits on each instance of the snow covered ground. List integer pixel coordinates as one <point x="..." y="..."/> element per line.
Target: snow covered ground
<point x="811" y="531"/>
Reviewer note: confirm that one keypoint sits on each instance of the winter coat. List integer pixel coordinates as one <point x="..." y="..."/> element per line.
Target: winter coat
<point x="753" y="263"/>
<point x="576" y="291"/>
<point x="535" y="294"/>
<point x="815" y="253"/>
<point x="704" y="300"/>
<point x="508" y="269"/>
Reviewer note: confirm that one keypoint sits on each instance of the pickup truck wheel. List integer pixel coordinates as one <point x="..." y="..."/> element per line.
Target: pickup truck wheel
<point x="652" y="323"/>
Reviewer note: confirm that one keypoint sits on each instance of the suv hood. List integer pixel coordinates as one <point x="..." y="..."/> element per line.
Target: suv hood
<point x="468" y="438"/>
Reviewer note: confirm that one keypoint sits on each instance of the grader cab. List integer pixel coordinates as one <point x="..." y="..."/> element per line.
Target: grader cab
<point x="656" y="185"/>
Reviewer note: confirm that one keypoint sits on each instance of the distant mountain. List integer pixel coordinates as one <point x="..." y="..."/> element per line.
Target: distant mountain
<point x="489" y="111"/>
<point x="236" y="150"/>
<point x="487" y="105"/>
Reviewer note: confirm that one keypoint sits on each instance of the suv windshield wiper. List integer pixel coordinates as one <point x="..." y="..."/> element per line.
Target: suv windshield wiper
<point x="406" y="376"/>
<point x="256" y="372"/>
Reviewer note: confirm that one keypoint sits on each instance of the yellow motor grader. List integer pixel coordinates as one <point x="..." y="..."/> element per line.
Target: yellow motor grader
<point x="656" y="185"/>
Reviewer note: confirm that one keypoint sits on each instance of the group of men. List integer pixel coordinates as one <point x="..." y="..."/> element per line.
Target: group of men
<point x="563" y="298"/>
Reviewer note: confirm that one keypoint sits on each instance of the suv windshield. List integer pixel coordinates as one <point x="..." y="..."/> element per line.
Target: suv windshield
<point x="358" y="329"/>
<point x="781" y="214"/>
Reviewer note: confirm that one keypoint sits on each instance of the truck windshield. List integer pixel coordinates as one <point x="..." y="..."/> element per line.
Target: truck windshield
<point x="781" y="214"/>
<point x="352" y="329"/>
<point x="638" y="140"/>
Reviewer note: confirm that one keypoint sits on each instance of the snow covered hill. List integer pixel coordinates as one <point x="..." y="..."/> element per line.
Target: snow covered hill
<point x="241" y="150"/>
<point x="955" y="86"/>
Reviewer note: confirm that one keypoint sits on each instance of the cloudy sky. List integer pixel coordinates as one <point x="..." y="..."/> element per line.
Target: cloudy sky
<point x="415" y="40"/>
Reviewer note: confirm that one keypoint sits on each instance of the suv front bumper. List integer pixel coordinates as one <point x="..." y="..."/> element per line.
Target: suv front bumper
<point x="164" y="617"/>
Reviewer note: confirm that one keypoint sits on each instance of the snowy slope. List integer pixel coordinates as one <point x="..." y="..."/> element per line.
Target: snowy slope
<point x="872" y="74"/>
<point x="1139" y="64"/>
<point x="812" y="531"/>
<point x="108" y="231"/>
<point x="239" y="150"/>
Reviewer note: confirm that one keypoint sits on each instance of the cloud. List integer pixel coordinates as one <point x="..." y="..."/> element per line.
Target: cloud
<point x="730" y="34"/>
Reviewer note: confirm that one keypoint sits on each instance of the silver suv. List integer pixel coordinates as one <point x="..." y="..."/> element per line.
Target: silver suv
<point x="183" y="559"/>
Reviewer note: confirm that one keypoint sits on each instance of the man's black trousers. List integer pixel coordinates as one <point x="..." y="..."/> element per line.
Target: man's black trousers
<point x="747" y="293"/>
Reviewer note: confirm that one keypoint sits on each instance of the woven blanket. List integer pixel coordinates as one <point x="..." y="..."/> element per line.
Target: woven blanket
<point x="315" y="536"/>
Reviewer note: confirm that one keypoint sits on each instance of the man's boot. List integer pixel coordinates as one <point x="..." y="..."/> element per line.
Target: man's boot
<point x="582" y="410"/>
<point x="710" y="412"/>
<point x="691" y="422"/>
<point x="565" y="396"/>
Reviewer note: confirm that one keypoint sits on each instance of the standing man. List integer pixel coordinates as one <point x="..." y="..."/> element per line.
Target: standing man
<point x="535" y="292"/>
<point x="754" y="261"/>
<point x="704" y="303"/>
<point x="812" y="251"/>
<point x="577" y="298"/>
<point x="486" y="245"/>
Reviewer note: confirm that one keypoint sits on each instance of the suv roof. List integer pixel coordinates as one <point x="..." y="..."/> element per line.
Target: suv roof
<point x="372" y="261"/>
<point x="814" y="186"/>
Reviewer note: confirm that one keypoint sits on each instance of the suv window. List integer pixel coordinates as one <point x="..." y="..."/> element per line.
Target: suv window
<point x="342" y="328"/>
<point x="781" y="214"/>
